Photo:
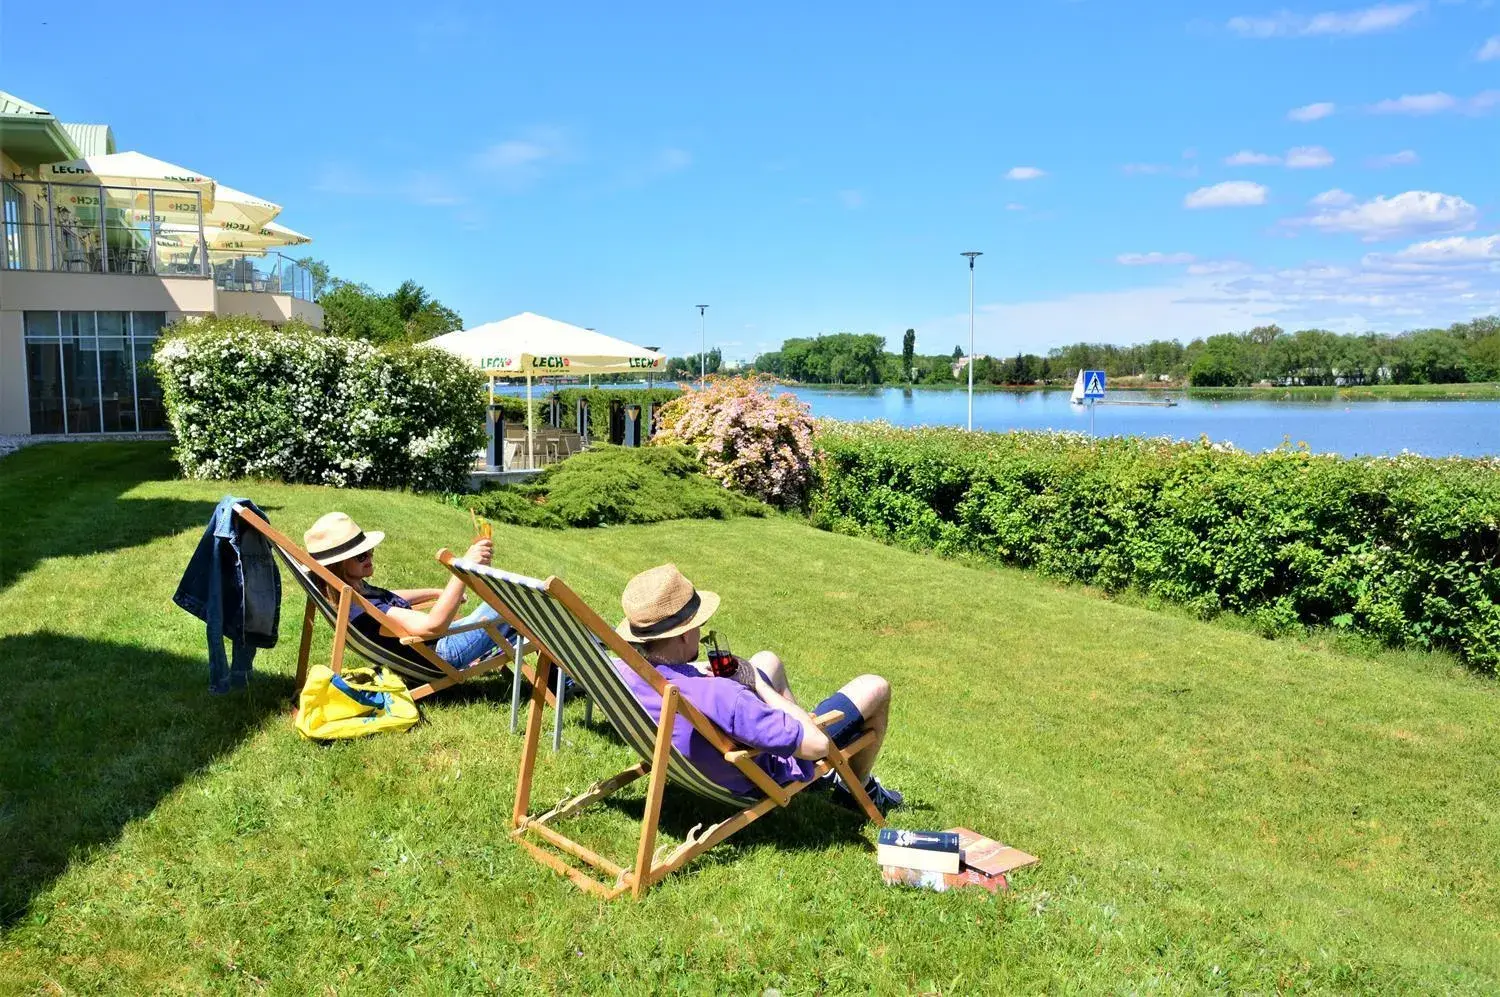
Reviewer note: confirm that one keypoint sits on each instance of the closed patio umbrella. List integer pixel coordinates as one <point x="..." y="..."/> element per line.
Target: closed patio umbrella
<point x="528" y="345"/>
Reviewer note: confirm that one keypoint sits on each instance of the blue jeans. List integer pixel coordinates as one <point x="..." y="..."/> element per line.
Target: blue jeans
<point x="462" y="650"/>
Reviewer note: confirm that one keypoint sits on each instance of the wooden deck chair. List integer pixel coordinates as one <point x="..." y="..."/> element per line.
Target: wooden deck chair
<point x="430" y="672"/>
<point x="567" y="633"/>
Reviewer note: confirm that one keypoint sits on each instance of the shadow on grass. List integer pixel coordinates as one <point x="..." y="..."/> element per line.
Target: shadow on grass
<point x="63" y="500"/>
<point x="96" y="735"/>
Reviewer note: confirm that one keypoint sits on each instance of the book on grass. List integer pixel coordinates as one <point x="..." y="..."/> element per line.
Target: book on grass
<point x="988" y="856"/>
<point x="941" y="882"/>
<point x="931" y="851"/>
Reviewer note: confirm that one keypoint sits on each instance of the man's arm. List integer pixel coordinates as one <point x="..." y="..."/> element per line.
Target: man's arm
<point x="815" y="743"/>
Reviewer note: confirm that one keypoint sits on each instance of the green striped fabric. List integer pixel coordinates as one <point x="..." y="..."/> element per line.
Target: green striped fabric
<point x="584" y="657"/>
<point x="419" y="671"/>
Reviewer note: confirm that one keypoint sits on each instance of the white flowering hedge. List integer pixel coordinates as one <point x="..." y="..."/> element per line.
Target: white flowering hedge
<point x="247" y="400"/>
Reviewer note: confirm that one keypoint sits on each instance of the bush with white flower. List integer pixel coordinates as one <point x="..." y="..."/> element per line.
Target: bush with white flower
<point x="751" y="441"/>
<point x="247" y="400"/>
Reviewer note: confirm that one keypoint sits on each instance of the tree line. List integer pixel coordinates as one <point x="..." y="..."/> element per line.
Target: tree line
<point x="1465" y="351"/>
<point x="408" y="314"/>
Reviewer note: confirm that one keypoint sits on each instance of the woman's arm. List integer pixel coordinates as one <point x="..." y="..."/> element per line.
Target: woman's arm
<point x="433" y="622"/>
<point x="418" y="596"/>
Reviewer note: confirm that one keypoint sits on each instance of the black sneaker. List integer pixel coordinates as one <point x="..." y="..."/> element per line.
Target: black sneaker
<point x="885" y="800"/>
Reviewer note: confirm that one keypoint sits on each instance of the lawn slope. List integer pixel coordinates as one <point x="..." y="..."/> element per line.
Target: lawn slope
<point x="1214" y="811"/>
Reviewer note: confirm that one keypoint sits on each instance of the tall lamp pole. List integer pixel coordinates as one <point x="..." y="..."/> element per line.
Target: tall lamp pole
<point x="702" y="348"/>
<point x="971" y="256"/>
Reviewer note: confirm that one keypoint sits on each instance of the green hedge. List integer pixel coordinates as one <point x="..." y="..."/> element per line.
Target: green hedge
<point x="247" y="400"/>
<point x="514" y="408"/>
<point x="1405" y="549"/>
<point x="607" y="485"/>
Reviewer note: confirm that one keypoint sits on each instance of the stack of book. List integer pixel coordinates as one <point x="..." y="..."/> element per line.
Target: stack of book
<point x="946" y="860"/>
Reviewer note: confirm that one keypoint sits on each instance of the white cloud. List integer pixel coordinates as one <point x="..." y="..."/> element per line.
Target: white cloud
<point x="1491" y="50"/>
<point x="1418" y="103"/>
<point x="1024" y="173"/>
<point x="1216" y="267"/>
<point x="1311" y="112"/>
<point x="1438" y="103"/>
<point x="1229" y="194"/>
<point x="1414" y="212"/>
<point x="1403" y="158"/>
<point x="1308" y="157"/>
<point x="1153" y="258"/>
<point x="1283" y="24"/>
<point x="853" y="200"/>
<point x="517" y="162"/>
<point x="1014" y="206"/>
<point x="1334" y="198"/>
<point x="1247" y="158"/>
<point x="1455" y="249"/>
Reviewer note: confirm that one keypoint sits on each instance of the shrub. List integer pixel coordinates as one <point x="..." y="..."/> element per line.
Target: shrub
<point x="608" y="485"/>
<point x="1405" y="549"/>
<point x="246" y="400"/>
<point x="746" y="439"/>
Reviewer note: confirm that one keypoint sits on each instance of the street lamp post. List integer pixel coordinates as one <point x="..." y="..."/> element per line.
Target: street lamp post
<point x="702" y="348"/>
<point x="971" y="256"/>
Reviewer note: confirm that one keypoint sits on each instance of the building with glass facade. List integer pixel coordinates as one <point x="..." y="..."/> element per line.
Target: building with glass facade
<point x="91" y="271"/>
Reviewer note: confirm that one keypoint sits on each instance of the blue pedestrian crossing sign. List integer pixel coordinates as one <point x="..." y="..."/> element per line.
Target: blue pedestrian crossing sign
<point x="1093" y="384"/>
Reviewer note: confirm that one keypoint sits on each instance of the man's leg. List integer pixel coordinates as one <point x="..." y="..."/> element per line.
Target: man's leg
<point x="871" y="695"/>
<point x="769" y="665"/>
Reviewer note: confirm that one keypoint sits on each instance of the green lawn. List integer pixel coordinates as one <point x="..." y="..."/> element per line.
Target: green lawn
<point x="1215" y="812"/>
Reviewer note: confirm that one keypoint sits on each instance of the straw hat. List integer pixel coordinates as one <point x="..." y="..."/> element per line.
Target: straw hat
<point x="661" y="603"/>
<point x="336" y="537"/>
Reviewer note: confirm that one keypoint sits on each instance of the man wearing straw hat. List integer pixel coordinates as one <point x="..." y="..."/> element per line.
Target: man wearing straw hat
<point x="664" y="617"/>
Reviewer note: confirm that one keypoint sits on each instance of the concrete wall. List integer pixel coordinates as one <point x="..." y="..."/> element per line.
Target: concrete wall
<point x="274" y="308"/>
<point x="15" y="418"/>
<point x="23" y="291"/>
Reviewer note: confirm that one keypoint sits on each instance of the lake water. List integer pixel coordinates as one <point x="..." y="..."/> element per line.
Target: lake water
<point x="1435" y="428"/>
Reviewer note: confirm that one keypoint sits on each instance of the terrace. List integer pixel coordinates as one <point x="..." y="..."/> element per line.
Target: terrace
<point x="147" y="231"/>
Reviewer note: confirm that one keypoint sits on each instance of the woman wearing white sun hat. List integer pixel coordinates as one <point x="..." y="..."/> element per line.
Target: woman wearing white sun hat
<point x="336" y="542"/>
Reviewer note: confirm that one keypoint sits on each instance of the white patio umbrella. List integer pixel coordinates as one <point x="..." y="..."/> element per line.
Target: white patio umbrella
<point x="528" y="345"/>
<point x="134" y="170"/>
<point x="221" y="239"/>
<point x="232" y="209"/>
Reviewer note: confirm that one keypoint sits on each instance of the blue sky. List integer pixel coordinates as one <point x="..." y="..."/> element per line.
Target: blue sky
<point x="1130" y="170"/>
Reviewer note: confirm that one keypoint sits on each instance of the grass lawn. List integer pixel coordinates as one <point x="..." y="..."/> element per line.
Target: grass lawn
<point x="1215" y="812"/>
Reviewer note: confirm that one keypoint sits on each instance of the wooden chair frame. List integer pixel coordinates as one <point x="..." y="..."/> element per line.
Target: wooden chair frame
<point x="438" y="674"/>
<point x="651" y="866"/>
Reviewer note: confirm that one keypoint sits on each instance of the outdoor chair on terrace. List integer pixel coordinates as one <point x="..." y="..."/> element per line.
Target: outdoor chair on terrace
<point x="430" y="672"/>
<point x="567" y="633"/>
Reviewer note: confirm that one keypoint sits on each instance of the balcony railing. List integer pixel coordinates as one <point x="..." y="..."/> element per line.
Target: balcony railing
<point x="272" y="274"/>
<point x="93" y="228"/>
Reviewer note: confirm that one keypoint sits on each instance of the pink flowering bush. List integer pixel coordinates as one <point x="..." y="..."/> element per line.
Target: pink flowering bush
<point x="748" y="440"/>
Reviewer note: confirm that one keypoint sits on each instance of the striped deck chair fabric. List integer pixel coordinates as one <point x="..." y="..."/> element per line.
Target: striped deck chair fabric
<point x="568" y="634"/>
<point x="582" y="655"/>
<point x="422" y="666"/>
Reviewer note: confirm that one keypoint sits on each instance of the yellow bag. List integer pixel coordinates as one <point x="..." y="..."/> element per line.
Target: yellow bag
<point x="360" y="701"/>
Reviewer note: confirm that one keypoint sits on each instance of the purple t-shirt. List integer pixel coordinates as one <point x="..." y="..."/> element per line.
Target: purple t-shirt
<point x="741" y="714"/>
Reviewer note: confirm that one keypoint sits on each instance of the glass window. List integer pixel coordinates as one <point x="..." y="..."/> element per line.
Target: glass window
<point x="44" y="383"/>
<point x="80" y="358"/>
<point x="146" y="327"/>
<point x="14" y="219"/>
<point x="116" y="372"/>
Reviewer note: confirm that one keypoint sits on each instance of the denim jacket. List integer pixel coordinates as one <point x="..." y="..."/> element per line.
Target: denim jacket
<point x="231" y="584"/>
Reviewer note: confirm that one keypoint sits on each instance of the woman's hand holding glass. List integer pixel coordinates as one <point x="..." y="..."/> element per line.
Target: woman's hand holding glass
<point x="481" y="551"/>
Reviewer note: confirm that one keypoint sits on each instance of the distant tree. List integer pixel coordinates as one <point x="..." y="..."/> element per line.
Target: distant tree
<point x="356" y="310"/>
<point x="958" y="353"/>
<point x="321" y="276"/>
<point x="908" y="353"/>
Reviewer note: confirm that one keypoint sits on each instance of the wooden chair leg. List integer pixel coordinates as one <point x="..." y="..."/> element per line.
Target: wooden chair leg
<point x="659" y="759"/>
<point x="308" y="616"/>
<point x="341" y="631"/>
<point x="533" y="735"/>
